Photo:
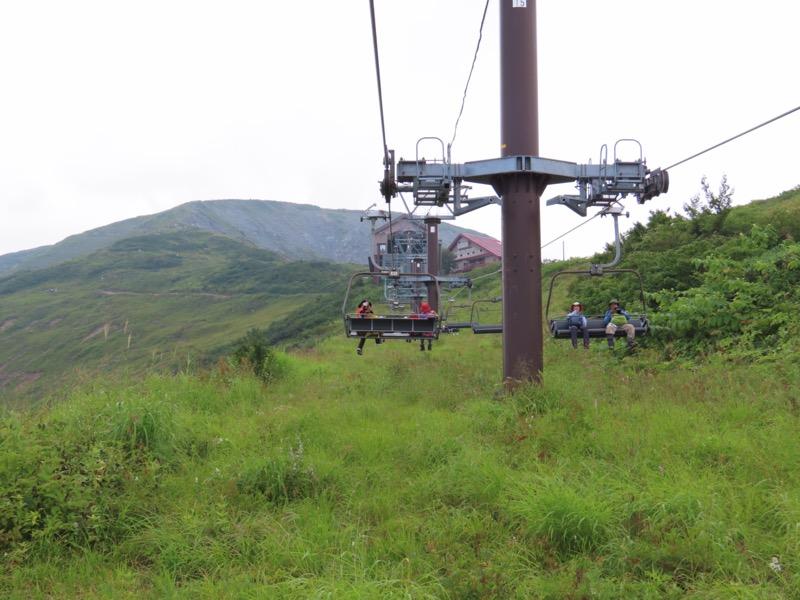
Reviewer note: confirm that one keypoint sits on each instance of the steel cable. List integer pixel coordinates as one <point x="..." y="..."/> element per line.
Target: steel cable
<point x="733" y="138"/>
<point x="378" y="74"/>
<point x="471" y="69"/>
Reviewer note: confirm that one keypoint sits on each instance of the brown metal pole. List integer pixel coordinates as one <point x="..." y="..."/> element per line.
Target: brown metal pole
<point x="523" y="344"/>
<point x="432" y="233"/>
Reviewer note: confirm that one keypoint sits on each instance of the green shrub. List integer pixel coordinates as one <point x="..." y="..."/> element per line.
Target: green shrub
<point x="743" y="305"/>
<point x="252" y="352"/>
<point x="62" y="487"/>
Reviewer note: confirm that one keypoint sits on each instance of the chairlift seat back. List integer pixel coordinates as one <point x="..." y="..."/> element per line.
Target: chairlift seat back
<point x="491" y="328"/>
<point x="392" y="326"/>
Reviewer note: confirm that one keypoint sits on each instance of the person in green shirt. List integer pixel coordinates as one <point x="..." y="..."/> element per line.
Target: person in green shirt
<point x="617" y="318"/>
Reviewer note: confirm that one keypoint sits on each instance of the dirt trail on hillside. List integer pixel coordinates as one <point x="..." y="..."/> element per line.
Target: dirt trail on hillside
<point x="209" y="294"/>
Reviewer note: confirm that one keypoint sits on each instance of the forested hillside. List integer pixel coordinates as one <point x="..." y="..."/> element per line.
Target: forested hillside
<point x="718" y="280"/>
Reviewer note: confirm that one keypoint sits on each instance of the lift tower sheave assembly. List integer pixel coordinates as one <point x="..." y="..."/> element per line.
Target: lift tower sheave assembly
<point x="520" y="177"/>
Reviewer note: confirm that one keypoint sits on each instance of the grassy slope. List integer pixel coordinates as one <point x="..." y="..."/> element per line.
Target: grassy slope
<point x="619" y="477"/>
<point x="405" y="474"/>
<point x="156" y="302"/>
<point x="614" y="479"/>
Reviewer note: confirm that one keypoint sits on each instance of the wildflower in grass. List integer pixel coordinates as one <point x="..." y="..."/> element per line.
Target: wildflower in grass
<point x="281" y="479"/>
<point x="296" y="458"/>
<point x="775" y="564"/>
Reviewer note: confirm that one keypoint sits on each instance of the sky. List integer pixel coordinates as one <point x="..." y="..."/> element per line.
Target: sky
<point x="113" y="110"/>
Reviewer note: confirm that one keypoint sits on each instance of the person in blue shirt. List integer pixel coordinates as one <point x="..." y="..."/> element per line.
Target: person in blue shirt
<point x="617" y="318"/>
<point x="576" y="321"/>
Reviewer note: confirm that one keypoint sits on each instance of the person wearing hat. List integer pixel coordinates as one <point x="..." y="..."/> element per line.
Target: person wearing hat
<point x="616" y="318"/>
<point x="365" y="312"/>
<point x="576" y="321"/>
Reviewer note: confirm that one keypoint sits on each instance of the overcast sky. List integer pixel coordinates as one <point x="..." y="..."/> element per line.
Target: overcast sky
<point x="112" y="110"/>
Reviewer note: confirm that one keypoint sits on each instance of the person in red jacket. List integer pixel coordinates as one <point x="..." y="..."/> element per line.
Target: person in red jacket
<point x="426" y="312"/>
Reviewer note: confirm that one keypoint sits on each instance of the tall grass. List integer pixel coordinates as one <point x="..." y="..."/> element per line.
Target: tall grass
<point x="403" y="474"/>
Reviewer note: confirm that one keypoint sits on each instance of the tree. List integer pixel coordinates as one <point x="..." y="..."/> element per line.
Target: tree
<point x="714" y="204"/>
<point x="448" y="261"/>
<point x="708" y="217"/>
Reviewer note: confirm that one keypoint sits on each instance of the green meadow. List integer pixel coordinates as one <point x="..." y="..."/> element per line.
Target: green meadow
<point x="408" y="474"/>
<point x="283" y="465"/>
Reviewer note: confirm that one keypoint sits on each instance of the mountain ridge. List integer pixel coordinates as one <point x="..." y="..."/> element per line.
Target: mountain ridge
<point x="295" y="231"/>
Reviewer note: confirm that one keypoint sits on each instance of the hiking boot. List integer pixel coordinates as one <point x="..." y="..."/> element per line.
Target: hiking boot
<point x="632" y="343"/>
<point x="610" y="342"/>
<point x="359" y="350"/>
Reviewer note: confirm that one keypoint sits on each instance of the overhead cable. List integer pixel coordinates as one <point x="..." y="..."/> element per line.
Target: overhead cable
<point x="488" y="274"/>
<point x="788" y="112"/>
<point x="571" y="230"/>
<point x="472" y="68"/>
<point x="378" y="74"/>
<point x="733" y="138"/>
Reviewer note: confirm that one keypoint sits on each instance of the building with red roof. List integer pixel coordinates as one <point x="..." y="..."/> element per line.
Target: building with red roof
<point x="472" y="251"/>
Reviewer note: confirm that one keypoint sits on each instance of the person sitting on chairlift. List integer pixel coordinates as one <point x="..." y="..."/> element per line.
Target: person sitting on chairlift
<point x="426" y="312"/>
<point x="365" y="312"/>
<point x="616" y="318"/>
<point x="576" y="321"/>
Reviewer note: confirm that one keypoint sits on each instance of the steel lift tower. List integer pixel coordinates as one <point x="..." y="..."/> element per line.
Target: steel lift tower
<point x="519" y="178"/>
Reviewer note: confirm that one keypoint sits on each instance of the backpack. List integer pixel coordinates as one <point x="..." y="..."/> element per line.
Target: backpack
<point x="574" y="320"/>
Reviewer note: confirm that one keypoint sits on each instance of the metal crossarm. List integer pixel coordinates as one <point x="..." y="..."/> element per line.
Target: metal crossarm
<point x="485" y="171"/>
<point x="439" y="182"/>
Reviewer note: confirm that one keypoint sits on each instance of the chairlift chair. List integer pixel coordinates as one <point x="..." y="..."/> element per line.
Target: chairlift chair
<point x="477" y="325"/>
<point x="388" y="323"/>
<point x="450" y="322"/>
<point x="559" y="328"/>
<point x="597" y="328"/>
